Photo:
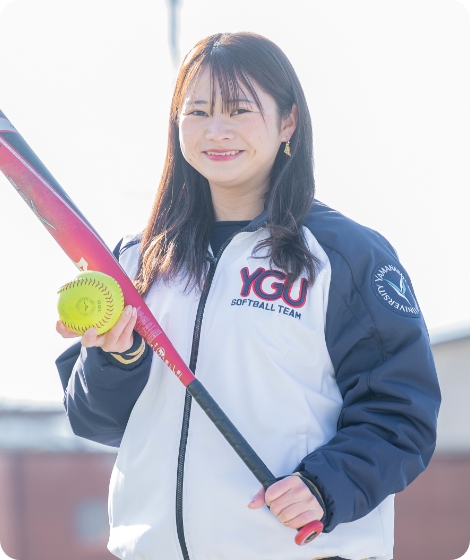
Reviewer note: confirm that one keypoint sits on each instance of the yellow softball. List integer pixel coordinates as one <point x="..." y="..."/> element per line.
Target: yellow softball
<point x="93" y="299"/>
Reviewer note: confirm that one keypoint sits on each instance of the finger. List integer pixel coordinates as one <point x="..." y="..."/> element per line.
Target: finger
<point x="291" y="497"/>
<point x="64" y="331"/>
<point x="126" y="338"/>
<point x="112" y="336"/>
<point x="128" y="331"/>
<point x="120" y="338"/>
<point x="297" y="509"/>
<point x="90" y="338"/>
<point x="280" y="487"/>
<point x="298" y="493"/>
<point x="302" y="519"/>
<point x="258" y="500"/>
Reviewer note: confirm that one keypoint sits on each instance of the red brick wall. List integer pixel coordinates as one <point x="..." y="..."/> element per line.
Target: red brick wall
<point x="55" y="507"/>
<point x="40" y="495"/>
<point x="432" y="515"/>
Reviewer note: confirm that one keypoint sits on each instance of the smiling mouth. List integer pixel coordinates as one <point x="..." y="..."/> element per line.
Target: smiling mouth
<point x="227" y="153"/>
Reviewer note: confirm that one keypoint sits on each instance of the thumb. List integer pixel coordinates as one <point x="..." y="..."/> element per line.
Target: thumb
<point x="258" y="500"/>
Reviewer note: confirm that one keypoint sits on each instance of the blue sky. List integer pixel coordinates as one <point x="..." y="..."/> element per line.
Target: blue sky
<point x="88" y="85"/>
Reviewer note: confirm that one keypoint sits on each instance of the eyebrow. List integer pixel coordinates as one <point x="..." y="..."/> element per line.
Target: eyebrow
<point x="230" y="101"/>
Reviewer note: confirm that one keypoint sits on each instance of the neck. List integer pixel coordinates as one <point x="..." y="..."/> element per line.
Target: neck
<point x="239" y="205"/>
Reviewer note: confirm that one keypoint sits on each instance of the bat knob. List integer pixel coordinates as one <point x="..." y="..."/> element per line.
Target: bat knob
<point x="308" y="532"/>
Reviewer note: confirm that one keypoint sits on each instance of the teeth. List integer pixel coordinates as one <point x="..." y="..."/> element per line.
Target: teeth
<point x="232" y="153"/>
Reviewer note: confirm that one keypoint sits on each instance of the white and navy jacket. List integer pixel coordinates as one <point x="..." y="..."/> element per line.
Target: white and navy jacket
<point x="334" y="380"/>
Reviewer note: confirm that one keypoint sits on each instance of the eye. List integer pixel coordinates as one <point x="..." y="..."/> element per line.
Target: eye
<point x="198" y="113"/>
<point x="240" y="111"/>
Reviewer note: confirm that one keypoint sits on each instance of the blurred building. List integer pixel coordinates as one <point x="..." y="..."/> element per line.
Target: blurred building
<point x="53" y="488"/>
<point x="432" y="517"/>
<point x="54" y="485"/>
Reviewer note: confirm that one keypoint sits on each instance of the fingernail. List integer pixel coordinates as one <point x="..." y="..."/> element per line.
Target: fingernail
<point x="92" y="330"/>
<point x="128" y="310"/>
<point x="134" y="312"/>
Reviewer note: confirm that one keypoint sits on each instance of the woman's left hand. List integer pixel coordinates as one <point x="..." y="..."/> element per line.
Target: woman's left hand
<point x="291" y="501"/>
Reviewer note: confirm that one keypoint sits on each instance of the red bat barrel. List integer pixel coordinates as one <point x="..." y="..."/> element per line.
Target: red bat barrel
<point x="67" y="225"/>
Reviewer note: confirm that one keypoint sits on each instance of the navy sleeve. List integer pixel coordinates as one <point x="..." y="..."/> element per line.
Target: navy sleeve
<point x="66" y="361"/>
<point x="100" y="396"/>
<point x="101" y="388"/>
<point x="380" y="349"/>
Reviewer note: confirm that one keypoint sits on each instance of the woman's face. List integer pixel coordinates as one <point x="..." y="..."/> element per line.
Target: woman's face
<point x="234" y="150"/>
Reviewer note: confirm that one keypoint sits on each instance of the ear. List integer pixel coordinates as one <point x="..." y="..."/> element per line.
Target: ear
<point x="289" y="124"/>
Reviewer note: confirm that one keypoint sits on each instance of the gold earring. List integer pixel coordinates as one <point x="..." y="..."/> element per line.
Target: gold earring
<point x="287" y="148"/>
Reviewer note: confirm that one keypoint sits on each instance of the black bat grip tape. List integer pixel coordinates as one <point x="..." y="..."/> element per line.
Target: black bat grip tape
<point x="246" y="453"/>
<point x="242" y="448"/>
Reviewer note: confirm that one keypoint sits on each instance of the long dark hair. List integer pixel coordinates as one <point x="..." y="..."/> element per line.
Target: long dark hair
<point x="176" y="238"/>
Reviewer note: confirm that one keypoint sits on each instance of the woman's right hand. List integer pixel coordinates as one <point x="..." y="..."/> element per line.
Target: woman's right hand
<point x="118" y="339"/>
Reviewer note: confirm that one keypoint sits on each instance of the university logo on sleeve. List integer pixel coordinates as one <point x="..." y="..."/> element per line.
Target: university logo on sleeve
<point x="393" y="288"/>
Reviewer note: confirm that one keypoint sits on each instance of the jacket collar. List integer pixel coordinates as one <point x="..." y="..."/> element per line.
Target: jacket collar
<point x="260" y="221"/>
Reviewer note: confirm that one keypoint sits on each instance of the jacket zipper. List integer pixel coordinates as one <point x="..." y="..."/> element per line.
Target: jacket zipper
<point x="188" y="398"/>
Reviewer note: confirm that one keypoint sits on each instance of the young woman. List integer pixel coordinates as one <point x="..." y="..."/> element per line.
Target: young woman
<point x="301" y="323"/>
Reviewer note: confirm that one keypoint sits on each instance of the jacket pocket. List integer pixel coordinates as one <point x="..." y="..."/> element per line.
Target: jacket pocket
<point x="302" y="447"/>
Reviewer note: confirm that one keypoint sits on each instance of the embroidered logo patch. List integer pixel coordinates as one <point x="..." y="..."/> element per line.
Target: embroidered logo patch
<point x="264" y="289"/>
<point x="393" y="288"/>
<point x="271" y="285"/>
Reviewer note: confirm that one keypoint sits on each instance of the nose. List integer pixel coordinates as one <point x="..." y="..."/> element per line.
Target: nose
<point x="219" y="128"/>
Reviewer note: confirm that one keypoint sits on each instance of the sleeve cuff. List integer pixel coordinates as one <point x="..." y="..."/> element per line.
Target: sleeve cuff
<point x="314" y="490"/>
<point x="131" y="358"/>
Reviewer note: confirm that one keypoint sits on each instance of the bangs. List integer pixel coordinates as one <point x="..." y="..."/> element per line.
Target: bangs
<point x="232" y="79"/>
<point x="227" y="72"/>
